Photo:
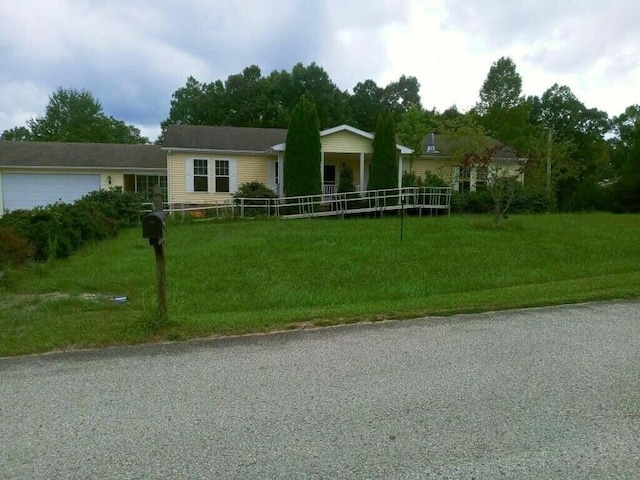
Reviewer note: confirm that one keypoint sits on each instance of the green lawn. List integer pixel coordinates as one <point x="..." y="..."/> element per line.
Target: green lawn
<point x="260" y="275"/>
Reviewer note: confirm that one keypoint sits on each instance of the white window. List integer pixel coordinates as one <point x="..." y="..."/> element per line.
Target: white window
<point x="481" y="178"/>
<point x="211" y="175"/>
<point x="222" y="176"/>
<point x="464" y="180"/>
<point x="200" y="175"/>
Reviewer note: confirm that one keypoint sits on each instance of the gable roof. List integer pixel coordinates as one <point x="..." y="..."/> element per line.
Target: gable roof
<point x="228" y="139"/>
<point x="348" y="128"/>
<point x="81" y="155"/>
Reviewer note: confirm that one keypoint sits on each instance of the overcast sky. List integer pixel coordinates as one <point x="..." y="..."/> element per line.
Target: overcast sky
<point x="133" y="54"/>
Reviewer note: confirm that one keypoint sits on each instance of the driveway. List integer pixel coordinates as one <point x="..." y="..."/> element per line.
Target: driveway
<point x="538" y="393"/>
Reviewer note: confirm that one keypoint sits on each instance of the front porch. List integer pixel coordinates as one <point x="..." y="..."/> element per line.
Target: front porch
<point x="342" y="146"/>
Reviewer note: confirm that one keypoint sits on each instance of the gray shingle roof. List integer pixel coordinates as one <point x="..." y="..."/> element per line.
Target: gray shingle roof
<point x="261" y="139"/>
<point x="443" y="145"/>
<point x="89" y="155"/>
<point x="223" y="138"/>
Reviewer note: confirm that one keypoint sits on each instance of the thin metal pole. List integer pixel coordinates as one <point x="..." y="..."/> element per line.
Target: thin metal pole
<point x="401" y="218"/>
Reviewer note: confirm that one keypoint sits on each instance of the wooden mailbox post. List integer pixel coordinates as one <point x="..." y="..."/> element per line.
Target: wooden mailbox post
<point x="153" y="228"/>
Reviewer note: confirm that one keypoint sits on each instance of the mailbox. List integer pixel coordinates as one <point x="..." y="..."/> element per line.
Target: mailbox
<point x="153" y="227"/>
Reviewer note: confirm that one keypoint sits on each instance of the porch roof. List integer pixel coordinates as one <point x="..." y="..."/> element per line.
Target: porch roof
<point x="346" y="128"/>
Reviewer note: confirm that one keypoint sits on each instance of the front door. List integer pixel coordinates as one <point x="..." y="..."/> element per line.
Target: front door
<point x="329" y="174"/>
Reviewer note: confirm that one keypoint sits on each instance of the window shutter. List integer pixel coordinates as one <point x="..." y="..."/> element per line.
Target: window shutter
<point x="271" y="169"/>
<point x="233" y="176"/>
<point x="188" y="167"/>
<point x="211" y="170"/>
<point x="491" y="173"/>
<point x="473" y="178"/>
<point x="455" y="178"/>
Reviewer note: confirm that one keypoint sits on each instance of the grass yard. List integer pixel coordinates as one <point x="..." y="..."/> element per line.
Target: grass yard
<point x="259" y="275"/>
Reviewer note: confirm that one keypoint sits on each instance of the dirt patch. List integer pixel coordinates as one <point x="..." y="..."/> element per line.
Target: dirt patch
<point x="27" y="301"/>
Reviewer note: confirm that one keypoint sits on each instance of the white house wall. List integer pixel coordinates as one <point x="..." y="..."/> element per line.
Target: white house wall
<point x="346" y="142"/>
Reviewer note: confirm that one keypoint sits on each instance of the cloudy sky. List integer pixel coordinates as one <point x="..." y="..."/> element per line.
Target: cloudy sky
<point x="133" y="54"/>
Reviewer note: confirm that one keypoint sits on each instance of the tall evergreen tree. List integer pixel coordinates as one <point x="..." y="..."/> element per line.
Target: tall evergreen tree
<point x="384" y="164"/>
<point x="302" y="158"/>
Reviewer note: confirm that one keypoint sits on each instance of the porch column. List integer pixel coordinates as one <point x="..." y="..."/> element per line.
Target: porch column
<point x="362" y="184"/>
<point x="400" y="172"/>
<point x="322" y="172"/>
<point x="280" y="178"/>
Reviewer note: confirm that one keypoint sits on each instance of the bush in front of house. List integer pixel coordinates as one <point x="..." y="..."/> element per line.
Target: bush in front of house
<point x="345" y="183"/>
<point x="255" y="190"/>
<point x="15" y="249"/>
<point x="59" y="229"/>
<point x="410" y="179"/>
<point x="123" y="207"/>
<point x="526" y="200"/>
<point x="532" y="200"/>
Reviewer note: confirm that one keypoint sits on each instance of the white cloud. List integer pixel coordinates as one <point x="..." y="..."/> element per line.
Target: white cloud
<point x="132" y="54"/>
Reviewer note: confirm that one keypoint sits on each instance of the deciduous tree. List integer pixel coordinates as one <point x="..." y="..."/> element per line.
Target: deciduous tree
<point x="16" y="134"/>
<point x="76" y="116"/>
<point x="412" y="130"/>
<point x="626" y="159"/>
<point x="502" y="88"/>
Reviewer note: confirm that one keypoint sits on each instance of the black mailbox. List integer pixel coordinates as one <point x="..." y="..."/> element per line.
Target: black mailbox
<point x="153" y="227"/>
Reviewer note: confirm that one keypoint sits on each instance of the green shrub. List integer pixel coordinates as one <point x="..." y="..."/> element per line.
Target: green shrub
<point x="433" y="180"/>
<point x="123" y="207"/>
<point x="59" y="229"/>
<point x="410" y="179"/>
<point x="346" y="184"/>
<point x="532" y="200"/>
<point x="254" y="190"/>
<point x="15" y="249"/>
<point x="479" y="201"/>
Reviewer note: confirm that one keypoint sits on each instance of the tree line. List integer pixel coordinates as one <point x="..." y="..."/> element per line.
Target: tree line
<point x="578" y="153"/>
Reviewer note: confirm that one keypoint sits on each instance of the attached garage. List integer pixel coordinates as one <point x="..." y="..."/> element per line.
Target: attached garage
<point x="29" y="190"/>
<point x="40" y="173"/>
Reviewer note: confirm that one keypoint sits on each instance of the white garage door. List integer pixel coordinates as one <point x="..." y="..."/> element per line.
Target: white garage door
<point x="28" y="190"/>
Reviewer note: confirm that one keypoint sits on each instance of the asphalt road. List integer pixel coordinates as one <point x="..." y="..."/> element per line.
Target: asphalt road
<point x="541" y="393"/>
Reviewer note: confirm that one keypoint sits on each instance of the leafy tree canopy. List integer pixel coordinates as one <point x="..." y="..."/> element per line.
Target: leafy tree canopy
<point x="17" y="134"/>
<point x="412" y="129"/>
<point x="75" y="116"/>
<point x="502" y="87"/>
<point x="249" y="99"/>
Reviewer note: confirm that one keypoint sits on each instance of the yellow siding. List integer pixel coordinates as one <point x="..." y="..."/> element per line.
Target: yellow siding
<point x="250" y="168"/>
<point x="443" y="167"/>
<point x="439" y="166"/>
<point x="346" y="142"/>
